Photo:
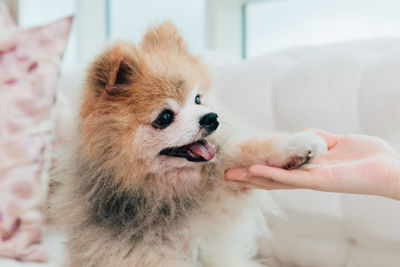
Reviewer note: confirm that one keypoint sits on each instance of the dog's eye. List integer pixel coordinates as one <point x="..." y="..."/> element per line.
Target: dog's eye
<point x="164" y="119"/>
<point x="197" y="100"/>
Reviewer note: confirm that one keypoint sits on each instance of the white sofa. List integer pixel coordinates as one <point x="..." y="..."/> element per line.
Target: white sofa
<point x="345" y="88"/>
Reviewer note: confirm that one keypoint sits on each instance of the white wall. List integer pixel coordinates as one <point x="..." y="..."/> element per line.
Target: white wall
<point x="130" y="19"/>
<point x="278" y="24"/>
<point x="39" y="12"/>
<point x="271" y="24"/>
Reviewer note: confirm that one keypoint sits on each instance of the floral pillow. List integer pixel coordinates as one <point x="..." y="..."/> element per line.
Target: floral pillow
<point x="29" y="68"/>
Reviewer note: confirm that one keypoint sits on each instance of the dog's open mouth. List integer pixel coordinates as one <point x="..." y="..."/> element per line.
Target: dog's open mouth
<point x="198" y="151"/>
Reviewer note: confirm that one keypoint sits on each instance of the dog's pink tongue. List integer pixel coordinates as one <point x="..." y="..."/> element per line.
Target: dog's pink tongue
<point x="203" y="149"/>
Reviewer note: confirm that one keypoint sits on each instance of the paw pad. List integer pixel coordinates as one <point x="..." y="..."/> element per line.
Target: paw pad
<point x="297" y="162"/>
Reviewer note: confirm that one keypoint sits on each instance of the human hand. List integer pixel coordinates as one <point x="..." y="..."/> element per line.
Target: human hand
<point x="353" y="164"/>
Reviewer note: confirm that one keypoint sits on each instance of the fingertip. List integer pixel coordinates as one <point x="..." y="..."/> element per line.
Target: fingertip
<point x="228" y="174"/>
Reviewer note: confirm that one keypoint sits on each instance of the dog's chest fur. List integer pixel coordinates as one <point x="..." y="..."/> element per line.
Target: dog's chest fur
<point x="134" y="212"/>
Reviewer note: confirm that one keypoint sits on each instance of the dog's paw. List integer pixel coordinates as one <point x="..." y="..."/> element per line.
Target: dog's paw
<point x="301" y="148"/>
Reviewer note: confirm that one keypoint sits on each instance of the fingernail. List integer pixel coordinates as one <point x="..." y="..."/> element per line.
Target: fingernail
<point x="253" y="169"/>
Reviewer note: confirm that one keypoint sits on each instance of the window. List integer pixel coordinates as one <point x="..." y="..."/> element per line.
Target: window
<point x="277" y="24"/>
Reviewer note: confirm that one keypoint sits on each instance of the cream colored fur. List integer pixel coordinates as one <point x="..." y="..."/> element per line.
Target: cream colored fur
<point x="121" y="203"/>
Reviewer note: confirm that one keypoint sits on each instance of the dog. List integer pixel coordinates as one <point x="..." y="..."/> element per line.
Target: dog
<point x="145" y="185"/>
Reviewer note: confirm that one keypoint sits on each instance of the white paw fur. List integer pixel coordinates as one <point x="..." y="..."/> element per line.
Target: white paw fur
<point x="299" y="149"/>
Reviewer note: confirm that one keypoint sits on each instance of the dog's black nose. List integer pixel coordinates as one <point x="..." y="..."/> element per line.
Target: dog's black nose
<point x="209" y="122"/>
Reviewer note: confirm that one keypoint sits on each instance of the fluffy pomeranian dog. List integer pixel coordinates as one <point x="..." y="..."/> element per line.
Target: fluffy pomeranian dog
<point x="145" y="186"/>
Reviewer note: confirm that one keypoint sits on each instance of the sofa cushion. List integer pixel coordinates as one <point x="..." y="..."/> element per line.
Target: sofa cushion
<point x="29" y="67"/>
<point x="344" y="88"/>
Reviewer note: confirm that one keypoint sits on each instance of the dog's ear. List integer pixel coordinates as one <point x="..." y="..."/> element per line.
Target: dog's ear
<point x="165" y="36"/>
<point x="114" y="71"/>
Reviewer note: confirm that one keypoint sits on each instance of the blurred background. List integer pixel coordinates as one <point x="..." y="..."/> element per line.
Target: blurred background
<point x="329" y="64"/>
<point x="244" y="28"/>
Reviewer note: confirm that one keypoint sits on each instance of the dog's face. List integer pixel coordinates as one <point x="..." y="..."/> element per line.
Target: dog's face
<point x="149" y="107"/>
<point x="174" y="134"/>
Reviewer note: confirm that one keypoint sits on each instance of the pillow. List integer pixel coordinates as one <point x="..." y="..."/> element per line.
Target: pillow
<point x="29" y="68"/>
<point x="6" y="22"/>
